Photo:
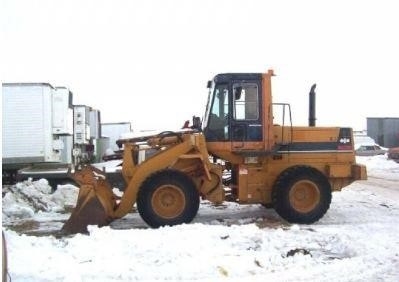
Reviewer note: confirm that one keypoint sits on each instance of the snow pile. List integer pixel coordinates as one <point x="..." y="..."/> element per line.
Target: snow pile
<point x="364" y="140"/>
<point x="27" y="198"/>
<point x="380" y="166"/>
<point x="209" y="253"/>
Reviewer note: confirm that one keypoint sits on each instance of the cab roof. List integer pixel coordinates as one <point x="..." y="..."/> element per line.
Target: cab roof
<point x="226" y="77"/>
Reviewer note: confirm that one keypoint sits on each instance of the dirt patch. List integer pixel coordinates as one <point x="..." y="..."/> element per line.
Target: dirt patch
<point x="271" y="222"/>
<point x="23" y="226"/>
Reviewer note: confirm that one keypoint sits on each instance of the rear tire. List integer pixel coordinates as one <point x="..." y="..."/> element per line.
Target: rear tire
<point x="168" y="197"/>
<point x="301" y="194"/>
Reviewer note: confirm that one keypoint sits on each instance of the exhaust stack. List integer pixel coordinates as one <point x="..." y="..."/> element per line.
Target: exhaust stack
<point x="312" y="106"/>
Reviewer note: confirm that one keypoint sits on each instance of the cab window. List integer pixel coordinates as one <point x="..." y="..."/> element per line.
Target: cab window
<point x="246" y="101"/>
<point x="218" y="118"/>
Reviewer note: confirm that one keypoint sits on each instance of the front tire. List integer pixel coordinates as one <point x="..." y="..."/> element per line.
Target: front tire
<point x="168" y="197"/>
<point x="301" y="194"/>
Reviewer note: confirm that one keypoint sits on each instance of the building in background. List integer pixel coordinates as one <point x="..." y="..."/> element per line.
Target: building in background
<point x="384" y="130"/>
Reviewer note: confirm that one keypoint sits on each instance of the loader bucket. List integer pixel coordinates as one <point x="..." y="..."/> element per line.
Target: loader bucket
<point x="95" y="203"/>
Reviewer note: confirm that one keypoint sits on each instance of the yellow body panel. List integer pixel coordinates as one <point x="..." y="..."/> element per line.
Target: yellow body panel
<point x="257" y="171"/>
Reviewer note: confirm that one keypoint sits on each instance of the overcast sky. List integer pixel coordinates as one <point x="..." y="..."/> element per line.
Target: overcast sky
<point x="148" y="62"/>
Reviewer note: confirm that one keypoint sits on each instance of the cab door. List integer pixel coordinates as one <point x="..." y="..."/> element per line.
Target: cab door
<point x="246" y="118"/>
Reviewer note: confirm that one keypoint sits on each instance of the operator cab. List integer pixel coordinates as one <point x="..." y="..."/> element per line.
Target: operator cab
<point x="235" y="113"/>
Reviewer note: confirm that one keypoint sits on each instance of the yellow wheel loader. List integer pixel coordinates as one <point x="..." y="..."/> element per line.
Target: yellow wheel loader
<point x="290" y="168"/>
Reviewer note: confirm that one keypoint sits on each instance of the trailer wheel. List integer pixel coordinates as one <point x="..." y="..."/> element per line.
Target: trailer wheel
<point x="168" y="197"/>
<point x="301" y="194"/>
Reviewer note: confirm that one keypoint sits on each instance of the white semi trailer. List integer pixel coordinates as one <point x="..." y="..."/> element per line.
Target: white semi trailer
<point x="36" y="118"/>
<point x="115" y="131"/>
<point x="44" y="134"/>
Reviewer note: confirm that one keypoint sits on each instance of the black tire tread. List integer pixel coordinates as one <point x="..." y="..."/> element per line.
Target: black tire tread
<point x="284" y="183"/>
<point x="155" y="180"/>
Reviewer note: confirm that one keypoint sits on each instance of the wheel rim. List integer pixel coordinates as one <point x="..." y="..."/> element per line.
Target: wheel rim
<point x="304" y="196"/>
<point x="168" y="201"/>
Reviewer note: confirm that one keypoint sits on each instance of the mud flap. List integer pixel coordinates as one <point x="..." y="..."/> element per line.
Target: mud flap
<point x="95" y="204"/>
<point x="359" y="172"/>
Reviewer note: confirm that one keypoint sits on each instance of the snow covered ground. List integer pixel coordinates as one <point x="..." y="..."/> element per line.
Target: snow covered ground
<point x="357" y="240"/>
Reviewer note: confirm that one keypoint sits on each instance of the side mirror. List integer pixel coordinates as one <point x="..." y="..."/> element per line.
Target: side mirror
<point x="197" y="124"/>
<point x="209" y="84"/>
<point x="237" y="92"/>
